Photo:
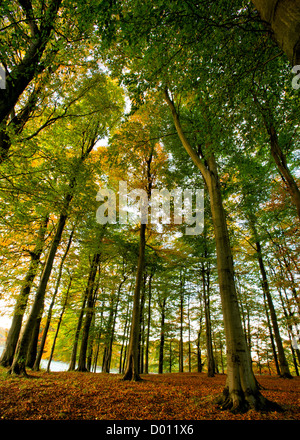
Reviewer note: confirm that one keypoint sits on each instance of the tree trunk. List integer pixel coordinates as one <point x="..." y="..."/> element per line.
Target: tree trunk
<point x="72" y="365"/>
<point x="283" y="18"/>
<point x="148" y="325"/>
<point x="107" y="348"/>
<point x="271" y="336"/>
<point x="37" y="362"/>
<point x="16" y="125"/>
<point x="111" y="329"/>
<point x="33" y="343"/>
<point x="18" y="366"/>
<point x="121" y="368"/>
<point x="189" y="336"/>
<point x="209" y="345"/>
<point x="283" y="168"/>
<point x="132" y="367"/>
<point x="162" y="338"/>
<point x="24" y="72"/>
<point x="241" y="388"/>
<point x="181" y="324"/>
<point x="241" y="391"/>
<point x="142" y="326"/>
<point x="89" y="312"/>
<point x="199" y="354"/>
<point x="284" y="367"/>
<point x="58" y="324"/>
<point x="14" y="331"/>
<point x="277" y="153"/>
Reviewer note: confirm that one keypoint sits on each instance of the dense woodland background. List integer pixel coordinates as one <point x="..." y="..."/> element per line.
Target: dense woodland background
<point x="90" y="86"/>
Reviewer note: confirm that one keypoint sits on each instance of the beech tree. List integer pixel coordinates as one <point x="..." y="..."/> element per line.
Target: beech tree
<point x="283" y="19"/>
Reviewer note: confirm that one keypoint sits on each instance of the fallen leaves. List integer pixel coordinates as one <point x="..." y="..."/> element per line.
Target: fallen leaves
<point x="89" y="396"/>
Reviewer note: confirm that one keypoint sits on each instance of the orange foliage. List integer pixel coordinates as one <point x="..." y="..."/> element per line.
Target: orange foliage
<point x="187" y="396"/>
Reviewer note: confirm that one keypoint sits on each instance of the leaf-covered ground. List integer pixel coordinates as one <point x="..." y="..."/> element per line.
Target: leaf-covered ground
<point x="88" y="396"/>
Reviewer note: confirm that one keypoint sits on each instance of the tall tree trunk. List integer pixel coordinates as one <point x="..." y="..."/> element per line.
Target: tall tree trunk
<point x="142" y="326"/>
<point x="283" y="364"/>
<point x="242" y="390"/>
<point x="181" y="324"/>
<point x="18" y="366"/>
<point x="162" y="338"/>
<point x="124" y="337"/>
<point x="109" y="337"/>
<point x="112" y="333"/>
<point x="89" y="312"/>
<point x="36" y="365"/>
<point x="283" y="168"/>
<point x="72" y="365"/>
<point x="59" y="323"/>
<point x="271" y="336"/>
<point x="33" y="343"/>
<point x="132" y="367"/>
<point x="14" y="331"/>
<point x="189" y="336"/>
<point x="283" y="18"/>
<point x="199" y="354"/>
<point x="148" y="324"/>
<point x="277" y="153"/>
<point x="209" y="345"/>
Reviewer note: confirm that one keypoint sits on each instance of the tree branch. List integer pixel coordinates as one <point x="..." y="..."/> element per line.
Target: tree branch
<point x="187" y="146"/>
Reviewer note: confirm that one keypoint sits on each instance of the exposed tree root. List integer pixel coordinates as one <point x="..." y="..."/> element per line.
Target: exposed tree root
<point x="240" y="402"/>
<point x="133" y="376"/>
<point x="18" y="369"/>
<point x="82" y="370"/>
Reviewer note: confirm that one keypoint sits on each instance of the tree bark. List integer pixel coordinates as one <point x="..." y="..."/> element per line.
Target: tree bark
<point x="34" y="339"/>
<point x="121" y="369"/>
<point x="18" y="366"/>
<point x="24" y="72"/>
<point x="72" y="365"/>
<point x="283" y="168"/>
<point x="89" y="312"/>
<point x="283" y="364"/>
<point x="181" y="324"/>
<point x="58" y="324"/>
<point x="271" y="336"/>
<point x="209" y="345"/>
<point x="283" y="18"/>
<point x="241" y="391"/>
<point x="132" y="366"/>
<point x="148" y="324"/>
<point x="18" y="122"/>
<point x="36" y="365"/>
<point x="142" y="326"/>
<point x="14" y="331"/>
<point x="162" y="338"/>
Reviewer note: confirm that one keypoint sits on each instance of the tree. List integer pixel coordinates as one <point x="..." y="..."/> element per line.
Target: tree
<point x="283" y="18"/>
<point x="241" y="388"/>
<point x="284" y="368"/>
<point x="89" y="309"/>
<point x="14" y="332"/>
<point x="35" y="30"/>
<point x="88" y="130"/>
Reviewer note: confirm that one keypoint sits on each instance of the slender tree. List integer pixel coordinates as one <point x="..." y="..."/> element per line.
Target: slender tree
<point x="14" y="332"/>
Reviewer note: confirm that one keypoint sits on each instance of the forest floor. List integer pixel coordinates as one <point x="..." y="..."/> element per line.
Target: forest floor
<point x="90" y="396"/>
